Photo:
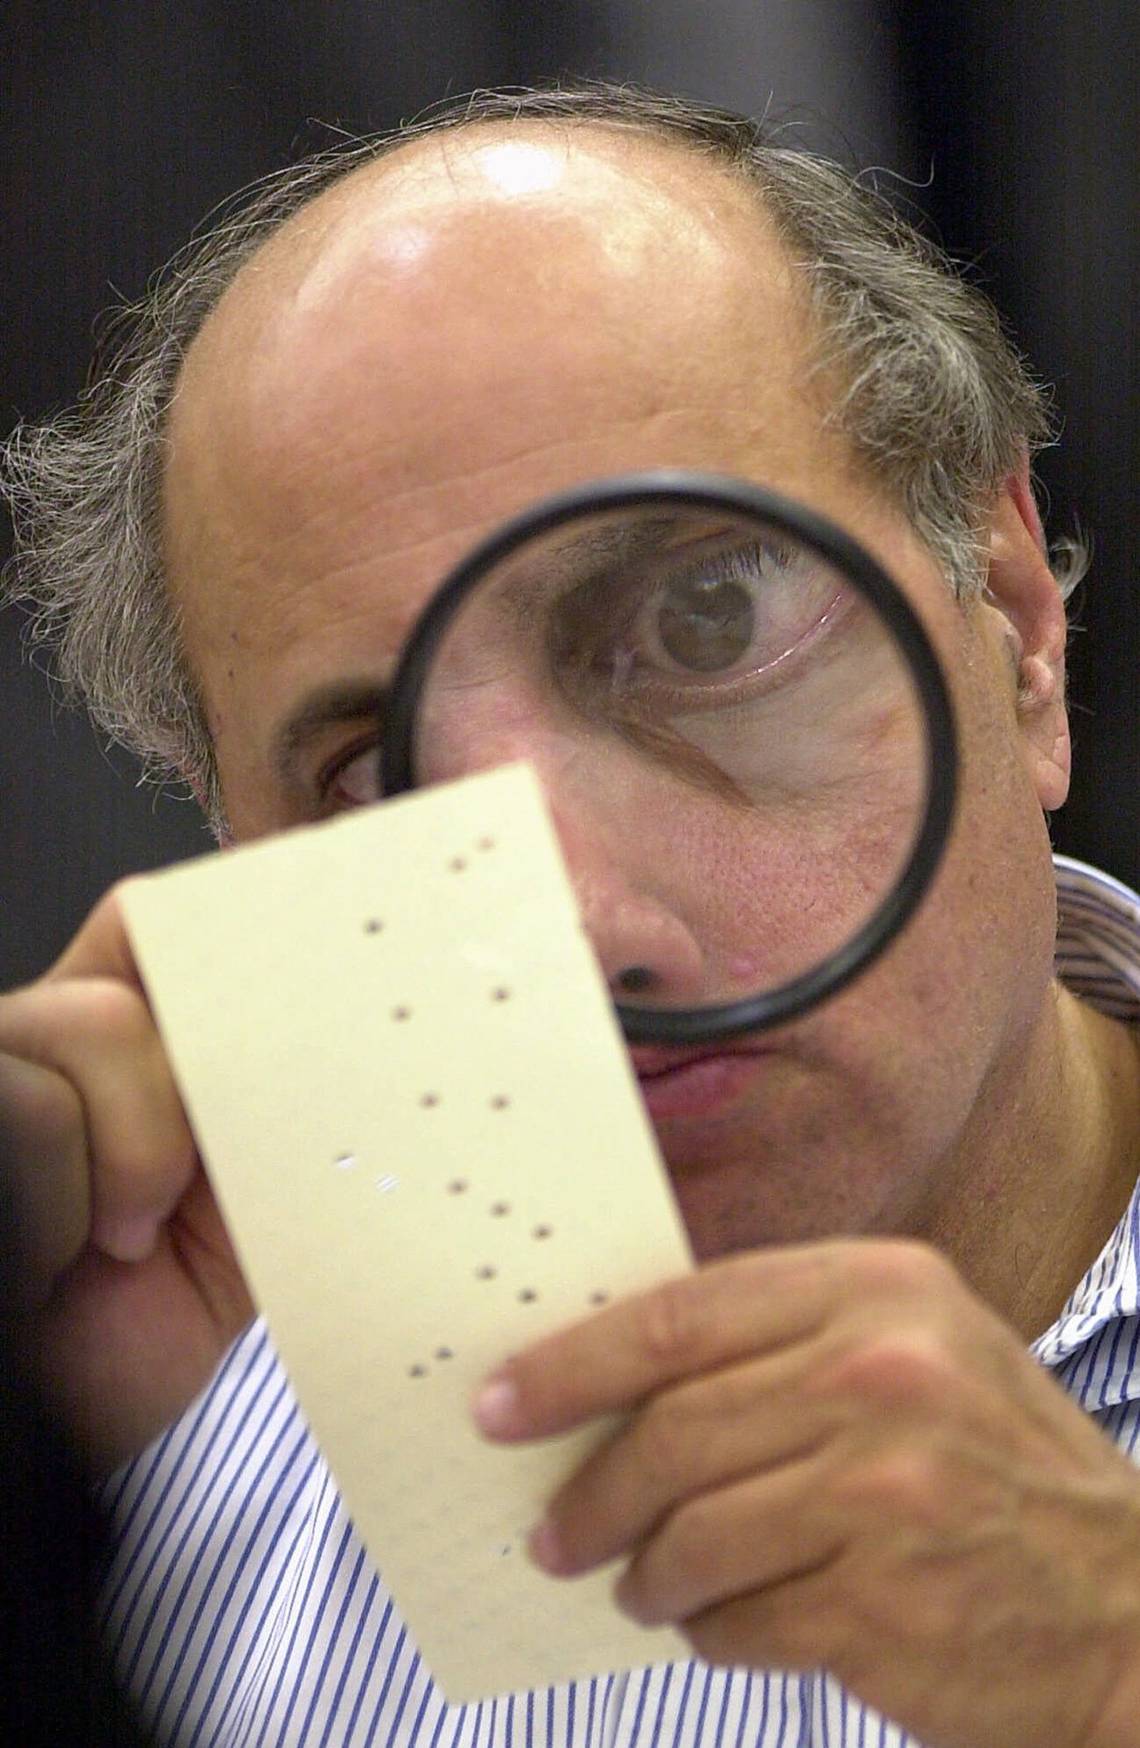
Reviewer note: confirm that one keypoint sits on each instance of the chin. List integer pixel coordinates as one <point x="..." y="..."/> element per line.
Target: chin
<point x="739" y="1191"/>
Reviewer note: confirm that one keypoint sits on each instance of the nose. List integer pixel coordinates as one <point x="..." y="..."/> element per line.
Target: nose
<point x="613" y="832"/>
<point x="647" y="952"/>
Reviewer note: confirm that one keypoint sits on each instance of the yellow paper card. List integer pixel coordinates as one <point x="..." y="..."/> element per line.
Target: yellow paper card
<point x="417" y="1113"/>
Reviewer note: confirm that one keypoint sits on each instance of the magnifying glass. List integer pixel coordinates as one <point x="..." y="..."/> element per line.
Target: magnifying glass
<point x="739" y="710"/>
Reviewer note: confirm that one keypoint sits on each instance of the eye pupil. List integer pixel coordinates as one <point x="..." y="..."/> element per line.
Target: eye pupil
<point x="706" y="623"/>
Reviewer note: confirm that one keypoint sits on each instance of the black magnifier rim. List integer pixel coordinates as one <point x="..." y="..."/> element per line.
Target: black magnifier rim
<point x="679" y="488"/>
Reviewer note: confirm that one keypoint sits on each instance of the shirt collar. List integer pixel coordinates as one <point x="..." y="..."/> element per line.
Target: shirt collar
<point x="1098" y="958"/>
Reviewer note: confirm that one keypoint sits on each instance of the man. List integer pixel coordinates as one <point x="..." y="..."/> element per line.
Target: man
<point x="839" y="1455"/>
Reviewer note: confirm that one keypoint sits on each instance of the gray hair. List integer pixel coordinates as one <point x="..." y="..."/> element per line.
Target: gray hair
<point x="934" y="400"/>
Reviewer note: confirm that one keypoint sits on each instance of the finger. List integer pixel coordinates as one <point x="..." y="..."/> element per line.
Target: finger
<point x="102" y="948"/>
<point x="43" y="1165"/>
<point x="727" y="1311"/>
<point x="98" y="1034"/>
<point x="729" y="1543"/>
<point x="800" y="1622"/>
<point x="697" y="1436"/>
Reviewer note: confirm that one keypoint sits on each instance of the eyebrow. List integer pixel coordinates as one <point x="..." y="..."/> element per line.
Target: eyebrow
<point x="597" y="547"/>
<point x="585" y="559"/>
<point x="340" y="702"/>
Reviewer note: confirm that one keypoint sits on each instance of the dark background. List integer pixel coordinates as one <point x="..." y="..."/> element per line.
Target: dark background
<point x="1010" y="125"/>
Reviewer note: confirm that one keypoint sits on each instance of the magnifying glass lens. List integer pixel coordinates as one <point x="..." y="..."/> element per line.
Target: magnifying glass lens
<point x="726" y="725"/>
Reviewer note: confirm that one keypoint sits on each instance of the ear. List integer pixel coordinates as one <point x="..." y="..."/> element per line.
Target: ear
<point x="1023" y="590"/>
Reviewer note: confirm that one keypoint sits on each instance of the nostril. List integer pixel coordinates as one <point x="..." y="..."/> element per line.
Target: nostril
<point x="635" y="979"/>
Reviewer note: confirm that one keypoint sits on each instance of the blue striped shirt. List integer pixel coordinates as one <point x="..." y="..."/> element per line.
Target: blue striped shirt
<point x="244" y="1613"/>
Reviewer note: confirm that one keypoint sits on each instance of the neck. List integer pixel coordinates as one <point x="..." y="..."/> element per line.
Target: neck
<point x="1037" y="1186"/>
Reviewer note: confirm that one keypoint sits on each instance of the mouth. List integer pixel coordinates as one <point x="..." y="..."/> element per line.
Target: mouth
<point x="696" y="1082"/>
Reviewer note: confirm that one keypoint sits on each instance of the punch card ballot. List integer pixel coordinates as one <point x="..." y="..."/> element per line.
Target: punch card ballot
<point x="415" y="1107"/>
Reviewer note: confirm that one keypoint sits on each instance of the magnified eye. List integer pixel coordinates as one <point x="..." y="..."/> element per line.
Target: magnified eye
<point x="697" y="626"/>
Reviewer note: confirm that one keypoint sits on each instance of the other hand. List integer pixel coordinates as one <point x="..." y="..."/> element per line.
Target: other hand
<point x="132" y="1287"/>
<point x="835" y="1455"/>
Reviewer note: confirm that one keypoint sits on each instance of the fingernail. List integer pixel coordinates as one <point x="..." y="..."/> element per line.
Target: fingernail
<point x="496" y="1407"/>
<point x="544" y="1546"/>
<point x="128" y="1238"/>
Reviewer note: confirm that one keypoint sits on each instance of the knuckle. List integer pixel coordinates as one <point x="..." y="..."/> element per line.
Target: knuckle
<point x="906" y="1267"/>
<point x="671" y="1329"/>
<point x="115" y="1014"/>
<point x="903" y="1485"/>
<point x="900" y="1369"/>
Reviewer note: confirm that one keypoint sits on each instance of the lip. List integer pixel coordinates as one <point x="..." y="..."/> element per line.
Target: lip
<point x="695" y="1082"/>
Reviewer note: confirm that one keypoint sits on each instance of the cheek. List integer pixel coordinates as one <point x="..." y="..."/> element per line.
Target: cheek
<point x="830" y="775"/>
<point x="770" y="891"/>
